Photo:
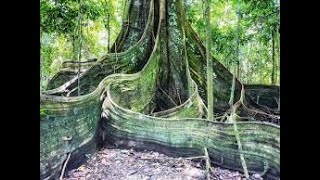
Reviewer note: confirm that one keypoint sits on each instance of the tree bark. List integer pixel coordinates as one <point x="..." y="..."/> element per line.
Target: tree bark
<point x="40" y="57"/>
<point x="108" y="29"/>
<point x="209" y="63"/>
<point x="273" y="58"/>
<point x="79" y="46"/>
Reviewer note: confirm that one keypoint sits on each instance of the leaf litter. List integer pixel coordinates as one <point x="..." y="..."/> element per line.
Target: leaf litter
<point x="128" y="164"/>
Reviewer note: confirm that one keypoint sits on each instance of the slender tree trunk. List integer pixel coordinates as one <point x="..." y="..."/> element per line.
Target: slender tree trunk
<point x="277" y="44"/>
<point x="124" y="9"/>
<point x="273" y="59"/>
<point x="233" y="115"/>
<point x="40" y="57"/>
<point x="236" y="68"/>
<point x="209" y="63"/>
<point x="278" y="50"/>
<point x="238" y="45"/>
<point x="74" y="45"/>
<point x="108" y="26"/>
<point x="79" y="44"/>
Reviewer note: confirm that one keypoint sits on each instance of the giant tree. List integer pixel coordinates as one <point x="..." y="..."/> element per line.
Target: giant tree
<point x="148" y="92"/>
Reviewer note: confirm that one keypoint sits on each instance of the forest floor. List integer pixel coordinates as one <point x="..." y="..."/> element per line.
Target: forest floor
<point x="111" y="163"/>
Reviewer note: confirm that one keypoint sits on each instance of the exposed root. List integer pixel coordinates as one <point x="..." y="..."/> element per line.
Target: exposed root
<point x="266" y="168"/>
<point x="69" y="93"/>
<point x="252" y="111"/>
<point x="208" y="165"/>
<point x="171" y="100"/>
<point x="64" y="166"/>
<point x="243" y="161"/>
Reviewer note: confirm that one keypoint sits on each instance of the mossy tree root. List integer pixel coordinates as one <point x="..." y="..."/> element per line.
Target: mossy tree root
<point x="124" y="105"/>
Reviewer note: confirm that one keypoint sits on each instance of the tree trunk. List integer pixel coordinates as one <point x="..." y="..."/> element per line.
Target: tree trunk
<point x="74" y="46"/>
<point x="108" y="27"/>
<point x="209" y="63"/>
<point x="79" y="47"/>
<point x="273" y="58"/>
<point x="150" y="95"/>
<point x="40" y="57"/>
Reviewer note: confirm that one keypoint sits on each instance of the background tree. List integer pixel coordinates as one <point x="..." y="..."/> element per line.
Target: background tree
<point x="210" y="101"/>
<point x="259" y="20"/>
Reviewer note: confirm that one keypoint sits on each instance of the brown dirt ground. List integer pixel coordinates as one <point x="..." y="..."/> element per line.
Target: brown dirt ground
<point x="120" y="164"/>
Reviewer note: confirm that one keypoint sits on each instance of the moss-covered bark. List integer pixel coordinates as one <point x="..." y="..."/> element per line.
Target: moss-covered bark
<point x="209" y="63"/>
<point x="151" y="92"/>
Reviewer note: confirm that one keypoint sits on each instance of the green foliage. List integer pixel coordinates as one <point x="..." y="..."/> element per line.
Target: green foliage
<point x="58" y="31"/>
<point x="61" y="16"/>
<point x="42" y="112"/>
<point x="258" y="20"/>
